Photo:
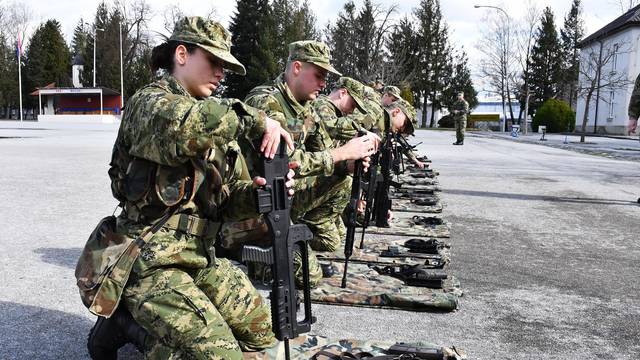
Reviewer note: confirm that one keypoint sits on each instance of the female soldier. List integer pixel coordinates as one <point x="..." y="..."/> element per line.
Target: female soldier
<point x="175" y="158"/>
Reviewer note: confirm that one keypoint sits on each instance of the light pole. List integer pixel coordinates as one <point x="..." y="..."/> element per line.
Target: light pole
<point x="95" y="28"/>
<point x="504" y="64"/>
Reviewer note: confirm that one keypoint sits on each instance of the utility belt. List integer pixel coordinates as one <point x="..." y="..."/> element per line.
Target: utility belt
<point x="192" y="225"/>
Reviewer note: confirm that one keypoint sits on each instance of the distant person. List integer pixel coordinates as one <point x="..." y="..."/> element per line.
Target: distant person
<point x="459" y="112"/>
<point x="634" y="108"/>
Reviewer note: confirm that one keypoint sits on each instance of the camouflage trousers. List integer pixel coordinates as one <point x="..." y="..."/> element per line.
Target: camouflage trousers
<point x="319" y="203"/>
<point x="461" y="125"/>
<point x="210" y="313"/>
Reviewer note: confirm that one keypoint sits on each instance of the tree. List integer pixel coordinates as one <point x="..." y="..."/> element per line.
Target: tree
<point x="291" y="22"/>
<point x="598" y="75"/>
<point x="624" y="5"/>
<point x="402" y="53"/>
<point x="79" y="41"/>
<point x="13" y="21"/>
<point x="497" y="65"/>
<point x="570" y="36"/>
<point x="525" y="40"/>
<point x="251" y="46"/>
<point x="340" y="37"/>
<point x="47" y="59"/>
<point x="460" y="81"/>
<point x="546" y="64"/>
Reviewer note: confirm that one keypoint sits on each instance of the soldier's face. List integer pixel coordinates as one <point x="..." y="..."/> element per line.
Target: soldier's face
<point x="199" y="72"/>
<point x="308" y="81"/>
<point x="398" y="121"/>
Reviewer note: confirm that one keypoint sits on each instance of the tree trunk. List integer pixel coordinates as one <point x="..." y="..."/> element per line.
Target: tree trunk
<point x="424" y="110"/>
<point x="433" y="110"/>
<point x="585" y="116"/>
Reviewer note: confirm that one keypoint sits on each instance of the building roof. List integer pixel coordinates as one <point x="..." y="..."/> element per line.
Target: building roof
<point x="52" y="90"/>
<point x="629" y="19"/>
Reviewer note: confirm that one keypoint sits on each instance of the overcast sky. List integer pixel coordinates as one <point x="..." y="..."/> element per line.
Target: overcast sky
<point x="464" y="20"/>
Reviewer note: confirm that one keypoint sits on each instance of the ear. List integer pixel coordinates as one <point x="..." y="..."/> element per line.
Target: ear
<point x="181" y="55"/>
<point x="343" y="93"/>
<point x="296" y="67"/>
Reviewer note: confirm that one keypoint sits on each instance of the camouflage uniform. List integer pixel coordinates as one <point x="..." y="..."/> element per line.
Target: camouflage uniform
<point x="459" y="111"/>
<point x="318" y="181"/>
<point x="392" y="90"/>
<point x="634" y="101"/>
<point x="192" y="304"/>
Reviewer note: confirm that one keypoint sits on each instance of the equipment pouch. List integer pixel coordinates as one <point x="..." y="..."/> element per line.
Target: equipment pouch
<point x="174" y="183"/>
<point x="138" y="179"/>
<point x="104" y="267"/>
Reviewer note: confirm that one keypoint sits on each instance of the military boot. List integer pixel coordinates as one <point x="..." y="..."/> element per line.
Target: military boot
<point x="110" y="334"/>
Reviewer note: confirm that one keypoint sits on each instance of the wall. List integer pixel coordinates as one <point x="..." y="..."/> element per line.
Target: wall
<point x="81" y="104"/>
<point x="612" y="111"/>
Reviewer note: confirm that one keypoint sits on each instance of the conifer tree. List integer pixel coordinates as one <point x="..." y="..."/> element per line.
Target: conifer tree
<point x="341" y="37"/>
<point x="252" y="46"/>
<point x="546" y="60"/>
<point x="460" y="81"/>
<point x="570" y="35"/>
<point x="47" y="59"/>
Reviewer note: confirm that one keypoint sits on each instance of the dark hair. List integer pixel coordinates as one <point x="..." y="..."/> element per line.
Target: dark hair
<point x="162" y="55"/>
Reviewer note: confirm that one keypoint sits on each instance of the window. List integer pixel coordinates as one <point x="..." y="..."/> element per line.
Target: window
<point x="612" y="97"/>
<point x="614" y="65"/>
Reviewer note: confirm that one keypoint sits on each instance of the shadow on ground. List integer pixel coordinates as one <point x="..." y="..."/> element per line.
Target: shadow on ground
<point x="562" y="199"/>
<point x="66" y="257"/>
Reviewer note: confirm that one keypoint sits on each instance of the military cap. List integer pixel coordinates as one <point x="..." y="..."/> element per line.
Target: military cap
<point x="392" y="90"/>
<point x="210" y="36"/>
<point x="312" y="51"/>
<point x="355" y="88"/>
<point x="409" y="111"/>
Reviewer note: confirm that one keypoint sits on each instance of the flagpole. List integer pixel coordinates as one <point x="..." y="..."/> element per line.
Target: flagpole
<point x="20" y="84"/>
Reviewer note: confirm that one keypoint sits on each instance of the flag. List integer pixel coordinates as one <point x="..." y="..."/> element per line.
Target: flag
<point x="19" y="51"/>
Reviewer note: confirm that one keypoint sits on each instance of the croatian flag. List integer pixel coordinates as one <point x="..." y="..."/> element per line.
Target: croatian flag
<point x="19" y="51"/>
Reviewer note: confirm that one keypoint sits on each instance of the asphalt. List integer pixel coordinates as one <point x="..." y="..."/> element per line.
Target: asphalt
<point x="545" y="244"/>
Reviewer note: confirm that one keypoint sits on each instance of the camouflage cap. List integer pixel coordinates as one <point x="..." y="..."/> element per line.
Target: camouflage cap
<point x="355" y="88"/>
<point x="210" y="36"/>
<point x="392" y="90"/>
<point x="312" y="51"/>
<point x="409" y="111"/>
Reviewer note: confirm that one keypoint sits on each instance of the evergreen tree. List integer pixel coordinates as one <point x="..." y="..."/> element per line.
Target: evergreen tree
<point x="292" y="22"/>
<point x="79" y="41"/>
<point x="341" y="37"/>
<point x="47" y="59"/>
<point x="460" y="81"/>
<point x="402" y="53"/>
<point x="570" y="35"/>
<point x="252" y="46"/>
<point x="546" y="62"/>
<point x="98" y="30"/>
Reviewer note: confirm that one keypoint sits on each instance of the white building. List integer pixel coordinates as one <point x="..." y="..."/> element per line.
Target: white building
<point x="607" y="111"/>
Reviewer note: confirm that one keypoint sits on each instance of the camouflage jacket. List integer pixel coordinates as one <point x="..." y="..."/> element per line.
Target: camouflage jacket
<point x="174" y="139"/>
<point x="634" y="101"/>
<point x="339" y="126"/>
<point x="460" y="109"/>
<point x="312" y="141"/>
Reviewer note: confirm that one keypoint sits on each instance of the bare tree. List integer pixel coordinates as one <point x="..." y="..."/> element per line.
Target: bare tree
<point x="624" y="5"/>
<point x="497" y="66"/>
<point x="597" y="73"/>
<point x="525" y="38"/>
<point x="15" y="19"/>
<point x="173" y="12"/>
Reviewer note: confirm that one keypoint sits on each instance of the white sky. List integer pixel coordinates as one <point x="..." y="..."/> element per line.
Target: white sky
<point x="463" y="19"/>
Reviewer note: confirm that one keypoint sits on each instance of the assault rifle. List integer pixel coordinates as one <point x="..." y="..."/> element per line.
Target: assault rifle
<point x="273" y="201"/>
<point x="352" y="214"/>
<point x="382" y="202"/>
<point x="370" y="184"/>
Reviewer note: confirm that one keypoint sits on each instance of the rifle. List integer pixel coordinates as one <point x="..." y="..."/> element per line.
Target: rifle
<point x="273" y="201"/>
<point x="382" y="202"/>
<point x="352" y="214"/>
<point x="370" y="183"/>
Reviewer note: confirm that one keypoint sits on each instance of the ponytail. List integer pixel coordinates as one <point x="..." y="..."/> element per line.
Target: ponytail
<point x="162" y="55"/>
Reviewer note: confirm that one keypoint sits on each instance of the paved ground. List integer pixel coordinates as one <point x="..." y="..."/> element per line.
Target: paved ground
<point x="545" y="243"/>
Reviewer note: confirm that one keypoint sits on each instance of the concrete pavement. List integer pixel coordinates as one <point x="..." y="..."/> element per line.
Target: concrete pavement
<point x="545" y="244"/>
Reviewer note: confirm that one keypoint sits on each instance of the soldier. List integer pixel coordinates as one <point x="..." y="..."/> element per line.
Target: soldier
<point x="459" y="112"/>
<point x="175" y="164"/>
<point x="289" y="100"/>
<point x="390" y="94"/>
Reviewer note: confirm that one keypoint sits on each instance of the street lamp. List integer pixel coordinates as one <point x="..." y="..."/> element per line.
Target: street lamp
<point x="95" y="28"/>
<point x="504" y="110"/>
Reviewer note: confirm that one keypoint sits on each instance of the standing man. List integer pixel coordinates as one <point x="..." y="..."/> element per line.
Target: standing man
<point x="634" y="108"/>
<point x="459" y="111"/>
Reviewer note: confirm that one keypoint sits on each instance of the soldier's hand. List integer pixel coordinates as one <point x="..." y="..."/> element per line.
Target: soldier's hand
<point x="360" y="206"/>
<point x="351" y="165"/>
<point x="419" y="164"/>
<point x="290" y="181"/>
<point x="632" y="125"/>
<point x="356" y="148"/>
<point x="271" y="138"/>
<point x="375" y="139"/>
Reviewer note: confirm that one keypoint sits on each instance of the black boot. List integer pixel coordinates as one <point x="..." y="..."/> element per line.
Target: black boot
<point x="110" y="334"/>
